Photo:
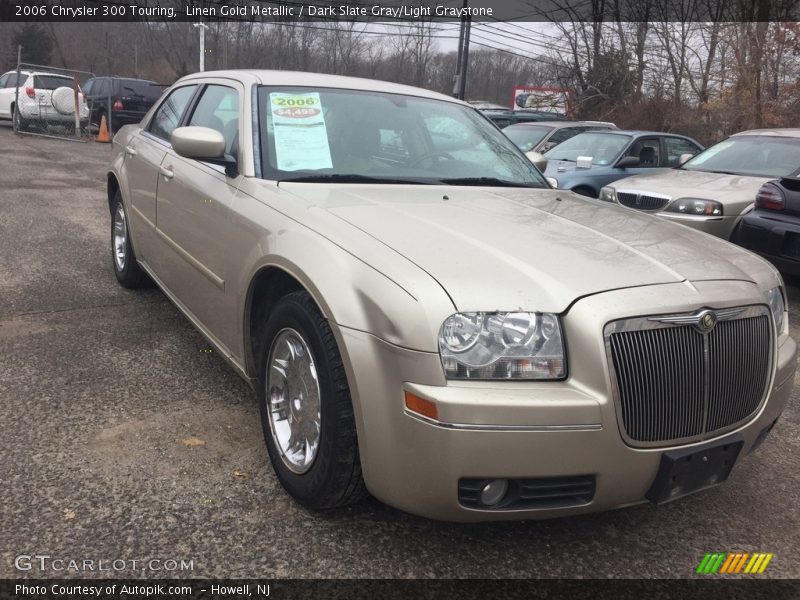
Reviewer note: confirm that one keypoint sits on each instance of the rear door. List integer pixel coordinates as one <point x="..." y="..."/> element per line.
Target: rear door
<point x="145" y="150"/>
<point x="195" y="199"/>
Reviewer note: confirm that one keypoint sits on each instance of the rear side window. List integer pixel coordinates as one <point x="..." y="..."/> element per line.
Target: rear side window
<point x="676" y="147"/>
<point x="169" y="114"/>
<point x="11" y="80"/>
<point x="51" y="82"/>
<point x="138" y="87"/>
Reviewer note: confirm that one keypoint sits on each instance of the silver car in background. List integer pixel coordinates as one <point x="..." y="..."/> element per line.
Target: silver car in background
<point x="716" y="188"/>
<point x="546" y="135"/>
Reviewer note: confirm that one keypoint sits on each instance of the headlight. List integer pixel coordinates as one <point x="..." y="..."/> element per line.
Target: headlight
<point x="507" y="345"/>
<point x="696" y="206"/>
<point x="608" y="194"/>
<point x="778" y="308"/>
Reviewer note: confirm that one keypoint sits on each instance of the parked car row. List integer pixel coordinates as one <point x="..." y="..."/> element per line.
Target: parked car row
<point x="38" y="98"/>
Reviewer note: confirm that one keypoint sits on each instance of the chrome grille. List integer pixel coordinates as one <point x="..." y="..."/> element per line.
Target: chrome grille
<point x="675" y="383"/>
<point x="641" y="201"/>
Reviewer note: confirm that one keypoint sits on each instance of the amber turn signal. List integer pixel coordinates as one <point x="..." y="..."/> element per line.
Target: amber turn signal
<point x="426" y="408"/>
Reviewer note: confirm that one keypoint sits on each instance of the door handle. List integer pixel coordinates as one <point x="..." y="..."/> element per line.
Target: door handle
<point x="130" y="151"/>
<point x="167" y="172"/>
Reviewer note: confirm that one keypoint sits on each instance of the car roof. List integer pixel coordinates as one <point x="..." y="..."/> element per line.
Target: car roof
<point x="783" y="132"/>
<point x="320" y="80"/>
<point x="560" y="124"/>
<point x="634" y="133"/>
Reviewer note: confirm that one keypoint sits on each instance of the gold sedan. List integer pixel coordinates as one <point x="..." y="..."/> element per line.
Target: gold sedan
<point x="424" y="318"/>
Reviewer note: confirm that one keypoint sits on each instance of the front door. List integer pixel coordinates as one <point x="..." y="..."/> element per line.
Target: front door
<point x="195" y="219"/>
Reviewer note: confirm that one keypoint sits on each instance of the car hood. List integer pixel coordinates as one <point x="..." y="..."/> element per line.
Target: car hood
<point x="697" y="184"/>
<point x="510" y="249"/>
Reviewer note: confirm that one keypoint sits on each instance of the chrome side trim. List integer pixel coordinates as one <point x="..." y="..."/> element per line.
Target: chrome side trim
<point x="482" y="427"/>
<point x="205" y="271"/>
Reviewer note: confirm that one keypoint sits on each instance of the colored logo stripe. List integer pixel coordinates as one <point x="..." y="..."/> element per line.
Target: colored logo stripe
<point x="733" y="562"/>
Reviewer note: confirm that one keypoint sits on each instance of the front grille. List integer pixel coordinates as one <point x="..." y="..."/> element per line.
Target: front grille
<point x="540" y="493"/>
<point x="674" y="382"/>
<point x="641" y="201"/>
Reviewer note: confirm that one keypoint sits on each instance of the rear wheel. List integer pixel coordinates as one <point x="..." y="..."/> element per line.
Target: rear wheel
<point x="306" y="411"/>
<point x="128" y="272"/>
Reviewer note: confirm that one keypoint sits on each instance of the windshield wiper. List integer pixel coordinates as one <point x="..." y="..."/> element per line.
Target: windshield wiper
<point x="351" y="178"/>
<point x="489" y="182"/>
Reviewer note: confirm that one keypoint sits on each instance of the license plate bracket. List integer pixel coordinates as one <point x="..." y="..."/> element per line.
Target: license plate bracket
<point x="686" y="471"/>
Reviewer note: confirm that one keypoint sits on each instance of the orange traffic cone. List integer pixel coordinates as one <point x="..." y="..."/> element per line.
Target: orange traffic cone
<point x="102" y="135"/>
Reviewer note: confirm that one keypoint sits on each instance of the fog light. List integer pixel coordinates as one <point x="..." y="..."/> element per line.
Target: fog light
<point x="493" y="492"/>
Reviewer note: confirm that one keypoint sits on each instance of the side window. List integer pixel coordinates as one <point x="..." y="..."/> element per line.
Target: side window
<point x="169" y="114"/>
<point x="218" y="108"/>
<point x="676" y="147"/>
<point x="100" y="88"/>
<point x="648" y="150"/>
<point x="561" y="135"/>
<point x="3" y="80"/>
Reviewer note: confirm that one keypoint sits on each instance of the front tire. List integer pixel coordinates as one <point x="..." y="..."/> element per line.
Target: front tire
<point x="305" y="405"/>
<point x="128" y="272"/>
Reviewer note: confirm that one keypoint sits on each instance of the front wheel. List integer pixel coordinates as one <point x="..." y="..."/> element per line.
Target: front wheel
<point x="128" y="272"/>
<point x="306" y="410"/>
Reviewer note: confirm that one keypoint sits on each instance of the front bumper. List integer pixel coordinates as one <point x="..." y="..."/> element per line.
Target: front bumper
<point x="776" y="237"/>
<point x="523" y="430"/>
<point x="721" y="227"/>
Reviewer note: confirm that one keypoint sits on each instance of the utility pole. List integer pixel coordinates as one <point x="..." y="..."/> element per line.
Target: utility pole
<point x="460" y="83"/>
<point x="202" y="27"/>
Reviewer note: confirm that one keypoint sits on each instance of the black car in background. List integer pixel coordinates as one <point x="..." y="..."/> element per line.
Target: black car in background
<point x="121" y="100"/>
<point x="772" y="228"/>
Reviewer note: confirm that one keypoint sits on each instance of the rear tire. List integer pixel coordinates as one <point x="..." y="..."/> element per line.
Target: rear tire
<point x="128" y="272"/>
<point x="305" y="405"/>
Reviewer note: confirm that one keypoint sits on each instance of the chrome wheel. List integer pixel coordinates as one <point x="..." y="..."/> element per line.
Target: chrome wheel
<point x="293" y="400"/>
<point x="120" y="238"/>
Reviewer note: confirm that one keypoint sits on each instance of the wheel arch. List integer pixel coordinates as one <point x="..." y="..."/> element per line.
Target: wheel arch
<point x="112" y="187"/>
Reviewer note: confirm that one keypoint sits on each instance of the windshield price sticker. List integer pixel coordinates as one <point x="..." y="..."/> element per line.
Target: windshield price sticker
<point x="301" y="136"/>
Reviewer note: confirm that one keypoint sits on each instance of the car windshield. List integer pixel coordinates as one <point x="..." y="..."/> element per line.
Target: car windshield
<point x="354" y="136"/>
<point x="603" y="148"/>
<point x="51" y="82"/>
<point x="756" y="155"/>
<point x="527" y="136"/>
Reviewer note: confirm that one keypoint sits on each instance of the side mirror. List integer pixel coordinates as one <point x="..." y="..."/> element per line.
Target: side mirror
<point x="628" y="161"/>
<point x="538" y="159"/>
<point x="685" y="158"/>
<point x="203" y="143"/>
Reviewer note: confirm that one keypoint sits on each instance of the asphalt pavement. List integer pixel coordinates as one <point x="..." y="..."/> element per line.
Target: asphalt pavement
<point x="122" y="439"/>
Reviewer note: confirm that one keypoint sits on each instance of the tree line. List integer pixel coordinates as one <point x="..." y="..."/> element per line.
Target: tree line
<point x="703" y="79"/>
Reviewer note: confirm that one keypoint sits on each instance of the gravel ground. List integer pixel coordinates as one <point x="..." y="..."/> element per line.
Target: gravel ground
<point x="101" y="387"/>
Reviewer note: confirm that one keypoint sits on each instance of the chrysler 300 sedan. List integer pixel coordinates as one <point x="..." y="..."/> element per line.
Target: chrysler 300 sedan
<point x="423" y="318"/>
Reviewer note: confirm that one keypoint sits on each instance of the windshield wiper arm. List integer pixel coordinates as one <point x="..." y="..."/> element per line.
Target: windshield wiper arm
<point x="489" y="182"/>
<point x="350" y="178"/>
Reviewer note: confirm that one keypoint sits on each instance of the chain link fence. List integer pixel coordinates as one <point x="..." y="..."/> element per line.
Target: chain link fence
<point x="49" y="101"/>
